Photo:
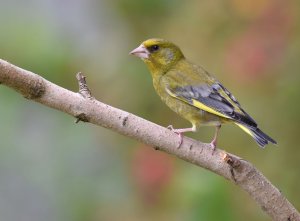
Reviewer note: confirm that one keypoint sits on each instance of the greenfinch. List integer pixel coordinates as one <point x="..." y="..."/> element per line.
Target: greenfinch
<point x="194" y="94"/>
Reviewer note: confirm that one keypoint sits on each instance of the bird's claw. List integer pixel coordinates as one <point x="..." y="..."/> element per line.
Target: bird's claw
<point x="170" y="127"/>
<point x="213" y="145"/>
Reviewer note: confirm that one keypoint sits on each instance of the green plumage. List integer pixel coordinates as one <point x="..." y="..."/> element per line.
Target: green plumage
<point x="192" y="92"/>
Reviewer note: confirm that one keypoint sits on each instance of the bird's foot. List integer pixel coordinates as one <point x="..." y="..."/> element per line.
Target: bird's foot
<point x="213" y="145"/>
<point x="176" y="131"/>
<point x="170" y="127"/>
<point x="180" y="132"/>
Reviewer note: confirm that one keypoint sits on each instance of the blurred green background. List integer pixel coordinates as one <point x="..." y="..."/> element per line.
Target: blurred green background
<point x="53" y="169"/>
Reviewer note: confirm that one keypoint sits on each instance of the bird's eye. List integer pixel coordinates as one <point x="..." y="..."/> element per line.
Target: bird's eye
<point x="154" y="48"/>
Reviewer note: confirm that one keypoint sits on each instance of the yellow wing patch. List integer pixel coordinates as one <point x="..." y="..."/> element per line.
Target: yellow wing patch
<point x="201" y="106"/>
<point x="245" y="129"/>
<point x="208" y="109"/>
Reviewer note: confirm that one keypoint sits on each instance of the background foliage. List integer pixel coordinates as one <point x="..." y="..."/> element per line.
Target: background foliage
<point x="52" y="169"/>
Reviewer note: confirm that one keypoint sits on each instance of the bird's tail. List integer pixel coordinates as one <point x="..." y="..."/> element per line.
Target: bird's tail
<point x="260" y="137"/>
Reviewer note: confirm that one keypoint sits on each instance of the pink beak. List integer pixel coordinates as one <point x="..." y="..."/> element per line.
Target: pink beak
<point x="140" y="52"/>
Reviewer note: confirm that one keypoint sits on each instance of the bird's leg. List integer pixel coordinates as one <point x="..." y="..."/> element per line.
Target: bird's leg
<point x="180" y="131"/>
<point x="213" y="143"/>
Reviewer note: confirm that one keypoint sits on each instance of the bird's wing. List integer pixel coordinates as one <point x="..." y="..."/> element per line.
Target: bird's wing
<point x="213" y="98"/>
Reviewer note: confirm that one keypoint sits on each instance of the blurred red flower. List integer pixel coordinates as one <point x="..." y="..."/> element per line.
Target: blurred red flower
<point x="263" y="44"/>
<point x="152" y="171"/>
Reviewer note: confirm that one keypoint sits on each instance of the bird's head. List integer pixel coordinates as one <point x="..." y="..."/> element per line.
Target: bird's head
<point x="159" y="55"/>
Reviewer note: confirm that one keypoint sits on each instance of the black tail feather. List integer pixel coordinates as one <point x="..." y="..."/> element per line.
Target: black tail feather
<point x="260" y="137"/>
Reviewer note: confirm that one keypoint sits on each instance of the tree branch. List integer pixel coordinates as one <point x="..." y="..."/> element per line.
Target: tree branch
<point x="85" y="108"/>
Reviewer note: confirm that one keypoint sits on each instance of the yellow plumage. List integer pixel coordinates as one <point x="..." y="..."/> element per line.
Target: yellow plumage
<point x="192" y="92"/>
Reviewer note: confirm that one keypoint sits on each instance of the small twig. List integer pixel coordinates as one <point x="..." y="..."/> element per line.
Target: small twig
<point x="85" y="92"/>
<point x="83" y="88"/>
<point x="233" y="163"/>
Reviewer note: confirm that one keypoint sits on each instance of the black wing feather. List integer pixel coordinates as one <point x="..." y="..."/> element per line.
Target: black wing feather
<point x="216" y="97"/>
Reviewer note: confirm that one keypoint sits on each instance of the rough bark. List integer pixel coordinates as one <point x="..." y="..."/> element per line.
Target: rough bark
<point x="85" y="108"/>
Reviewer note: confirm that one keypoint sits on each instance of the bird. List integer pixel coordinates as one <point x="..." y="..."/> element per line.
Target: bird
<point x="193" y="93"/>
